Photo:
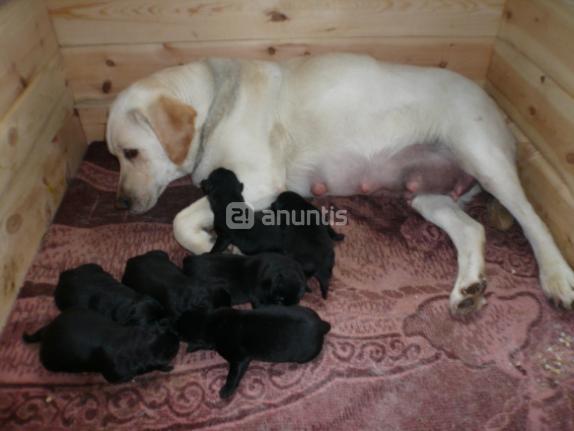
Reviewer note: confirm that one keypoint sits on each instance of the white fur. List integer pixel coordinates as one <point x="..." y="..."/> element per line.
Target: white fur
<point x="283" y="125"/>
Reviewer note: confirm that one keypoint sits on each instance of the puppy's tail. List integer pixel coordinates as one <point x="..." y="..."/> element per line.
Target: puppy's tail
<point x="35" y="337"/>
<point x="325" y="327"/>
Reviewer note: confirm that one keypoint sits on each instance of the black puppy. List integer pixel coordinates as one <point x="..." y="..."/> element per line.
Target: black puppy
<point x="270" y="334"/>
<point x="311" y="242"/>
<point x="154" y="274"/>
<point x="89" y="286"/>
<point x="266" y="278"/>
<point x="81" y="340"/>
<point x="223" y="188"/>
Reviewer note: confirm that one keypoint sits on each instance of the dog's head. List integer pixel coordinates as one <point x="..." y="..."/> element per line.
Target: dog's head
<point x="290" y="201"/>
<point x="191" y="329"/>
<point x="153" y="132"/>
<point x="280" y="281"/>
<point x="222" y="184"/>
<point x="145" y="311"/>
<point x="149" y="348"/>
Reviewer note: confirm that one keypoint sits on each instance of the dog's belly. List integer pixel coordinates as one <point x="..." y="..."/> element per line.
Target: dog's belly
<point x="417" y="169"/>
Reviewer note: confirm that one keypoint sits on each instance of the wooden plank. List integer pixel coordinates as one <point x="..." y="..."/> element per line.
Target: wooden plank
<point x="549" y="196"/>
<point x="27" y="42"/>
<point x="94" y="119"/>
<point x="28" y="206"/>
<point x="100" y="72"/>
<point x="94" y="22"/>
<point x="37" y="115"/>
<point x="543" y="30"/>
<point x="539" y="106"/>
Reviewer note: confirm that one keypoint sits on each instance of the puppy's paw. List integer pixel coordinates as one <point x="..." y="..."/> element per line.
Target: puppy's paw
<point x="558" y="284"/>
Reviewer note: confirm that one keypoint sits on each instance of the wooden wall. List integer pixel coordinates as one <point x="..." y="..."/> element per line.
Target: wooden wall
<point x="531" y="76"/>
<point x="108" y="44"/>
<point x="41" y="141"/>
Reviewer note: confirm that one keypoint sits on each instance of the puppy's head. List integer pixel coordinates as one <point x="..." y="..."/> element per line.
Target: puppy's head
<point x="191" y="329"/>
<point x="281" y="281"/>
<point x="164" y="347"/>
<point x="222" y="180"/>
<point x="289" y="201"/>
<point x="147" y="310"/>
<point x="152" y="133"/>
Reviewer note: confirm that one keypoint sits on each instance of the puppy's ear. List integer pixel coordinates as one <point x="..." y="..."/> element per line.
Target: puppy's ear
<point x="241" y="187"/>
<point x="173" y="122"/>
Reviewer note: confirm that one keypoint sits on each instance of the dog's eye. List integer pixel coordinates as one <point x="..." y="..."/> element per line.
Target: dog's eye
<point x="131" y="154"/>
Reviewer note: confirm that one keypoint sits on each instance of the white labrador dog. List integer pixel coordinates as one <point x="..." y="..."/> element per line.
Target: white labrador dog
<point x="337" y="124"/>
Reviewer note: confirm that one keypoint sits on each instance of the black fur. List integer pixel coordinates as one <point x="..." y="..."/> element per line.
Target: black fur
<point x="82" y="340"/>
<point x="89" y="286"/>
<point x="154" y="274"/>
<point x="270" y="334"/>
<point x="222" y="188"/>
<point x="266" y="278"/>
<point x="310" y="244"/>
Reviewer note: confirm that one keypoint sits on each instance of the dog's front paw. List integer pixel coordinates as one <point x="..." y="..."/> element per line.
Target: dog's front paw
<point x="558" y="285"/>
<point x="468" y="299"/>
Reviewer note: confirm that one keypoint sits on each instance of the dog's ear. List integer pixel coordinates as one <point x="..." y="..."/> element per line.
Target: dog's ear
<point x="241" y="187"/>
<point x="173" y="122"/>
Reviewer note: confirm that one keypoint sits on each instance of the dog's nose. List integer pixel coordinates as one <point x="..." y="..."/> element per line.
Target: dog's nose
<point x="123" y="203"/>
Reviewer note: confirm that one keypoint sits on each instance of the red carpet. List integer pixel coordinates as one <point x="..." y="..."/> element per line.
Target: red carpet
<point x="394" y="360"/>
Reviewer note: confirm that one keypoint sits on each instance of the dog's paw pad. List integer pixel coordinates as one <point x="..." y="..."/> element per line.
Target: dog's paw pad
<point x="477" y="288"/>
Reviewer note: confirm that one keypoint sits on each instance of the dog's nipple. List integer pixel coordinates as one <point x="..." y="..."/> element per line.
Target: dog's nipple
<point x="319" y="189"/>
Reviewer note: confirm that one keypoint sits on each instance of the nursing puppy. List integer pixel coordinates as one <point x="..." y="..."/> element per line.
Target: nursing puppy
<point x="269" y="334"/>
<point x="81" y="340"/>
<point x="262" y="279"/>
<point x="154" y="274"/>
<point x="223" y="188"/>
<point x="311" y="242"/>
<point x="89" y="286"/>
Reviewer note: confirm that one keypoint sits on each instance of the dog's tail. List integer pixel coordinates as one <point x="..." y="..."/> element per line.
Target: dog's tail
<point x="35" y="337"/>
<point x="325" y="327"/>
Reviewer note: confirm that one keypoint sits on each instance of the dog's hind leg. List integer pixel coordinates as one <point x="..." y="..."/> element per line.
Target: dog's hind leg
<point x="221" y="244"/>
<point x="497" y="174"/>
<point x="236" y="371"/>
<point x="468" y="238"/>
<point x="35" y="337"/>
<point x="191" y="224"/>
<point x="323" y="276"/>
<point x="335" y="236"/>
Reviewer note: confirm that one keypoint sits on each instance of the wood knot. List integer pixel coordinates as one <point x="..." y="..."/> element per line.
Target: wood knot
<point x="23" y="82"/>
<point x="532" y="110"/>
<point x="107" y="86"/>
<point x="271" y="50"/>
<point x="570" y="158"/>
<point x="542" y="79"/>
<point x="443" y="64"/>
<point x="508" y="14"/>
<point x="276" y="16"/>
<point x="110" y="62"/>
<point x="13" y="223"/>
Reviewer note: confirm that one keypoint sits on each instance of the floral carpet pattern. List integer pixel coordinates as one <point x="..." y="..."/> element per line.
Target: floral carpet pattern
<point x="394" y="360"/>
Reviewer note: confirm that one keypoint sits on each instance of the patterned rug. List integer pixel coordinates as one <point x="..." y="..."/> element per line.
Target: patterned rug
<point x="394" y="360"/>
